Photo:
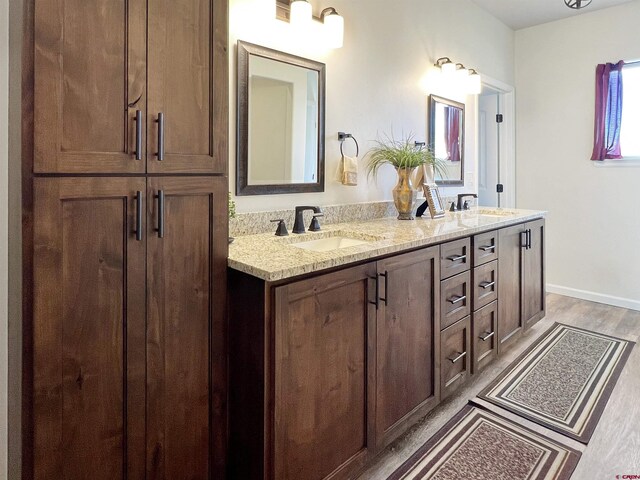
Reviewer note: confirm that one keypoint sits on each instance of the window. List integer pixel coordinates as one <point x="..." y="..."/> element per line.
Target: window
<point x="630" y="125"/>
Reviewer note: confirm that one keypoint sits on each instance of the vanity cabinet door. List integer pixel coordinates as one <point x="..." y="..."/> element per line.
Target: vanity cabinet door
<point x="89" y="82"/>
<point x="510" y="271"/>
<point x="521" y="291"/>
<point x="407" y="341"/>
<point x="323" y="379"/>
<point x="533" y="293"/>
<point x="187" y="124"/>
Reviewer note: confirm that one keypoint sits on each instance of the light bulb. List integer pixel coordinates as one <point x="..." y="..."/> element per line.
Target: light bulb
<point x="448" y="68"/>
<point x="300" y="13"/>
<point x="474" y="83"/>
<point x="334" y="30"/>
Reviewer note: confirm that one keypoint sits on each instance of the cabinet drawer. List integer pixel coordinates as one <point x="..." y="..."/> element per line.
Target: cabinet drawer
<point x="455" y="257"/>
<point x="455" y="299"/>
<point x="485" y="284"/>
<point x="455" y="356"/>
<point x="484" y="334"/>
<point x="485" y="248"/>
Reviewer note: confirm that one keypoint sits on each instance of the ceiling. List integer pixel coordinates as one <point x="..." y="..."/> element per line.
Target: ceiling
<point x="526" y="13"/>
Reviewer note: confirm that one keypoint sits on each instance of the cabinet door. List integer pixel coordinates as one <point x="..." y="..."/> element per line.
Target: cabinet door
<point x="407" y="341"/>
<point x="188" y="86"/>
<point x="510" y="271"/>
<point x="89" y="329"/>
<point x="90" y="77"/>
<point x="323" y="385"/>
<point x="186" y="365"/>
<point x="533" y="289"/>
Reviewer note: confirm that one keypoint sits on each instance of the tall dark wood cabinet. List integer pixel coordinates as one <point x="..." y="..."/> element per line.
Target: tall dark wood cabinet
<point x="125" y="349"/>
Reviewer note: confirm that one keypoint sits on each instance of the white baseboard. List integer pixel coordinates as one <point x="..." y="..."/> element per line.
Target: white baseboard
<point x="595" y="297"/>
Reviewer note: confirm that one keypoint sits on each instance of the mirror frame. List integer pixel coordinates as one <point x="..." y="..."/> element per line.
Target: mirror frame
<point x="245" y="50"/>
<point x="433" y="99"/>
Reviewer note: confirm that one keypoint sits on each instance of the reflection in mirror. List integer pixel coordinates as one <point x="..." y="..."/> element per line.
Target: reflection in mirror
<point x="446" y="137"/>
<point x="280" y="122"/>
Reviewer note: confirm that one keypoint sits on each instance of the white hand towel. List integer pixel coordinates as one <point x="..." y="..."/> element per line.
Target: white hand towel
<point x="349" y="170"/>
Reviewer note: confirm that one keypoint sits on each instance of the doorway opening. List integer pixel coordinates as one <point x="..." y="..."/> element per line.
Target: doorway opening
<point x="496" y="147"/>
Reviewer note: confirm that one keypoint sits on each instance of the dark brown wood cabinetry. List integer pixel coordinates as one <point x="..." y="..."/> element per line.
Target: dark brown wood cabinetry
<point x="407" y="373"/>
<point x="324" y="363"/>
<point x="130" y="86"/>
<point x="102" y="348"/>
<point x="89" y="330"/>
<point x="186" y="365"/>
<point x="521" y="289"/>
<point x="326" y="370"/>
<point x="355" y="363"/>
<point x="125" y="357"/>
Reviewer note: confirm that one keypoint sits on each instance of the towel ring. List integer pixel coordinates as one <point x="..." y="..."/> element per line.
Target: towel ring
<point x="342" y="137"/>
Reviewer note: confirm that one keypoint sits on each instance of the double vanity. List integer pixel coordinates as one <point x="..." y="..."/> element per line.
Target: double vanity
<point x="342" y="339"/>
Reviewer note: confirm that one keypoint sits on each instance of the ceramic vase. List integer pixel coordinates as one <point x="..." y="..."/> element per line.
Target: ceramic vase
<point x="404" y="195"/>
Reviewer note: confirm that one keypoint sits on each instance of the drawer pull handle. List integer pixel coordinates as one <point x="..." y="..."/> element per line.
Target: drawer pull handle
<point x="456" y="258"/>
<point x="139" y="216"/>
<point x="386" y="287"/>
<point x="160" y="122"/>
<point x="138" y="151"/>
<point x="160" y="228"/>
<point x="376" y="302"/>
<point x="486" y="285"/>
<point x="487" y="336"/>
<point x="488" y="248"/>
<point x="455" y="359"/>
<point x="456" y="299"/>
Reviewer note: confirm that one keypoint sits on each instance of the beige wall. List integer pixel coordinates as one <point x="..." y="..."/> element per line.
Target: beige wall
<point x="374" y="83"/>
<point x="593" y="230"/>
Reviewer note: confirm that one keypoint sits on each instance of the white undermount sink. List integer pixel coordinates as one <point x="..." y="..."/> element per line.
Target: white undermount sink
<point x="332" y="241"/>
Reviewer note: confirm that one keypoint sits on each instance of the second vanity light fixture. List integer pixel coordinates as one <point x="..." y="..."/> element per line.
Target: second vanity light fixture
<point x="301" y="15"/>
<point x="467" y="78"/>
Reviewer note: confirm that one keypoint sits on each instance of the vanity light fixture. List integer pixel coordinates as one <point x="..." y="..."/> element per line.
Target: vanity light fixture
<point x="300" y="13"/>
<point x="333" y="26"/>
<point x="577" y="4"/>
<point x="466" y="79"/>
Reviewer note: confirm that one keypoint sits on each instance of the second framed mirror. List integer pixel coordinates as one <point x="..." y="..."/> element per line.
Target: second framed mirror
<point x="446" y="137"/>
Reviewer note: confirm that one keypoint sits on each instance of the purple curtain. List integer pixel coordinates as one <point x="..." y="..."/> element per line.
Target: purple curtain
<point x="608" y="117"/>
<point x="452" y="133"/>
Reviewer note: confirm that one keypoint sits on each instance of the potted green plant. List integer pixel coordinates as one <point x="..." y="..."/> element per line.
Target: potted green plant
<point x="405" y="156"/>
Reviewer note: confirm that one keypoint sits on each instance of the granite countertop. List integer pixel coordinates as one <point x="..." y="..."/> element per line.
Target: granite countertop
<point x="274" y="258"/>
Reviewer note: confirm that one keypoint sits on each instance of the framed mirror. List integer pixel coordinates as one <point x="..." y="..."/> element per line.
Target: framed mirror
<point x="281" y="110"/>
<point x="446" y="137"/>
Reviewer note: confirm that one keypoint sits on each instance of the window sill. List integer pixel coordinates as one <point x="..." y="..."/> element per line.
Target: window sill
<point x="616" y="163"/>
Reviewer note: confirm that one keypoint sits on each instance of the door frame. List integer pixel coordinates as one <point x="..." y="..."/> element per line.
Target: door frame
<point x="507" y="138"/>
